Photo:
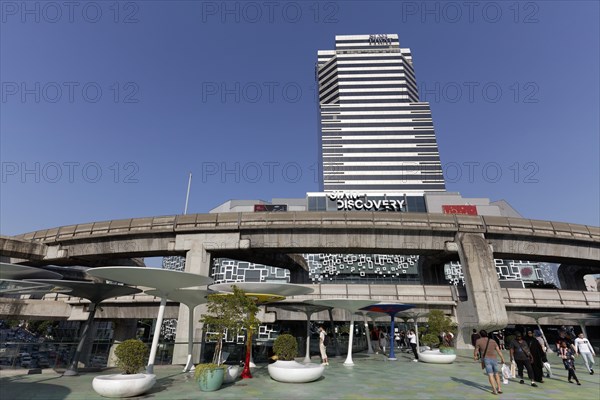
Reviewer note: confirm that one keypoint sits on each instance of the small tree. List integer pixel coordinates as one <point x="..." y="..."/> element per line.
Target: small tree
<point x="131" y="356"/>
<point x="439" y="323"/>
<point x="229" y="312"/>
<point x="430" y="340"/>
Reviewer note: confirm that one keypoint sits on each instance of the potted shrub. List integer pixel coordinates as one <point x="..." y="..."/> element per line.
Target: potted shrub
<point x="131" y="356"/>
<point x="430" y="340"/>
<point x="229" y="313"/>
<point x="209" y="376"/>
<point x="285" y="369"/>
<point x="439" y="323"/>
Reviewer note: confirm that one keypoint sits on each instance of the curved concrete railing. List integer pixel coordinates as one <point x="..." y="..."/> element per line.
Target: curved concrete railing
<point x="225" y="222"/>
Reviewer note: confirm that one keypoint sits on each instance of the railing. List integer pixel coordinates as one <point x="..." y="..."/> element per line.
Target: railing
<point x="58" y="355"/>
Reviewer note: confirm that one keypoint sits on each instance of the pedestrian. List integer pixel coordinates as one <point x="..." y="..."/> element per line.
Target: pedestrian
<point x="583" y="347"/>
<point x="382" y="340"/>
<point x="568" y="357"/>
<point x="488" y="348"/>
<point x="448" y="339"/>
<point x="412" y="338"/>
<point x="375" y="339"/>
<point x="322" y="347"/>
<point x="501" y="340"/>
<point x="474" y="337"/>
<point x="538" y="335"/>
<point x="538" y="355"/>
<point x="520" y="353"/>
<point x="403" y="339"/>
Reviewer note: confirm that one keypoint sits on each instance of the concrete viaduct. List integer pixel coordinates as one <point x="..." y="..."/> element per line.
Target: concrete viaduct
<point x="278" y="239"/>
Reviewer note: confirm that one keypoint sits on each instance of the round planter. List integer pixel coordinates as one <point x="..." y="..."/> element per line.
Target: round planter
<point x="436" y="357"/>
<point x="232" y="373"/>
<point x="120" y="385"/>
<point x="211" y="380"/>
<point x="294" y="372"/>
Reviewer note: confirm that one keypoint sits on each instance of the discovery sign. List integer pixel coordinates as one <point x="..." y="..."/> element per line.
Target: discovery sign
<point x="359" y="202"/>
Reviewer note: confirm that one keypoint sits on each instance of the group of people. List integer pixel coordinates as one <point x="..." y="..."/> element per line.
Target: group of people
<point x="380" y="340"/>
<point x="529" y="353"/>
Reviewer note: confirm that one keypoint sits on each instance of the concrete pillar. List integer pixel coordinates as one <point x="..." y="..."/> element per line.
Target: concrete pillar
<point x="197" y="261"/>
<point x="484" y="307"/>
<point x="124" y="329"/>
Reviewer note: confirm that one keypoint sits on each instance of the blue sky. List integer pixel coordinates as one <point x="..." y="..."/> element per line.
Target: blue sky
<point x="107" y="106"/>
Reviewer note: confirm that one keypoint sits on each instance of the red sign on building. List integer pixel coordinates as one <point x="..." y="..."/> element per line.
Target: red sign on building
<point x="466" y="210"/>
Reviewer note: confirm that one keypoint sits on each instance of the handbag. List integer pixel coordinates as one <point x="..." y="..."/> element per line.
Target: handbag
<point x="506" y="373"/>
<point x="548" y="368"/>
<point x="513" y="369"/>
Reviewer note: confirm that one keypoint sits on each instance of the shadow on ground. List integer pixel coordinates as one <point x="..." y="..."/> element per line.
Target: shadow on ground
<point x="12" y="388"/>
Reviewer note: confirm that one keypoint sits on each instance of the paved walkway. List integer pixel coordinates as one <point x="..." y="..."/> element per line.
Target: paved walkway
<point x="372" y="377"/>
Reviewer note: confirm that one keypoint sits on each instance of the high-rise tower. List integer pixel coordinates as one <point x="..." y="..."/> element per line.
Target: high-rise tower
<point x="376" y="136"/>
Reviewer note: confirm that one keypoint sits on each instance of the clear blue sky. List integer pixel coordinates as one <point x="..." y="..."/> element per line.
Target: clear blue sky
<point x="143" y="92"/>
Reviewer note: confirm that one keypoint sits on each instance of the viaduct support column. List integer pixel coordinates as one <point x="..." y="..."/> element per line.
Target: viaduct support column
<point x="197" y="261"/>
<point x="123" y="329"/>
<point x="484" y="307"/>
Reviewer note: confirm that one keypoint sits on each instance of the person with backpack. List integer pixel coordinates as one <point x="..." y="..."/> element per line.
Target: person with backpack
<point x="323" y="342"/>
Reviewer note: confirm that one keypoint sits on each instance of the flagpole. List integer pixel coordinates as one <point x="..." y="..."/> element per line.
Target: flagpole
<point x="187" y="196"/>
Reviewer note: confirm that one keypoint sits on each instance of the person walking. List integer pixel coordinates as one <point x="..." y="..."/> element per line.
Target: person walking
<point x="488" y="348"/>
<point x="520" y="353"/>
<point x="501" y="340"/>
<point x="383" y="339"/>
<point x="568" y="357"/>
<point x="375" y="339"/>
<point x="322" y="347"/>
<point x="538" y="355"/>
<point x="583" y="347"/>
<point x="412" y="340"/>
<point x="474" y="337"/>
<point x="538" y="335"/>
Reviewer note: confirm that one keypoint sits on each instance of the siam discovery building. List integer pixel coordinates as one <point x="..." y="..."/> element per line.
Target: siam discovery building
<point x="375" y="134"/>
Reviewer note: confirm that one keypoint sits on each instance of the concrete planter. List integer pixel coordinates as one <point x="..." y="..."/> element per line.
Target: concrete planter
<point x="120" y="385"/>
<point x="294" y="372"/>
<point x="211" y="380"/>
<point x="436" y="357"/>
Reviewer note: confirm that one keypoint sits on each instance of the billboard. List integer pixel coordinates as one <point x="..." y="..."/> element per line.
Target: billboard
<point x="459" y="209"/>
<point x="270" y="207"/>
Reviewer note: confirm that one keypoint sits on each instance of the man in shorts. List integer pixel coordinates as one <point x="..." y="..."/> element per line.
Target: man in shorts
<point x="488" y="349"/>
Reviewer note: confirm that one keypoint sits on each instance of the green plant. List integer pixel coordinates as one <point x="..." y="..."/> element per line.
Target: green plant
<point x="285" y="347"/>
<point x="438" y="323"/>
<point x="131" y="356"/>
<point x="201" y="371"/>
<point x="447" y="350"/>
<point x="430" y="340"/>
<point x="229" y="312"/>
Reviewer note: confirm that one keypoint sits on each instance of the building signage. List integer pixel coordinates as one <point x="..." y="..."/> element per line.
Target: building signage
<point x="359" y="202"/>
<point x="270" y="207"/>
<point x="459" y="209"/>
<point x="378" y="40"/>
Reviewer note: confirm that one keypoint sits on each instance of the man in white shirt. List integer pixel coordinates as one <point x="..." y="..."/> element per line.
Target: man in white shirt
<point x="583" y="347"/>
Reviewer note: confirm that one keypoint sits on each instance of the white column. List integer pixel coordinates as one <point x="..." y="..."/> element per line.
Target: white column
<point x="159" y="320"/>
<point x="189" y="365"/>
<point x="350" y="339"/>
<point x="370" y="351"/>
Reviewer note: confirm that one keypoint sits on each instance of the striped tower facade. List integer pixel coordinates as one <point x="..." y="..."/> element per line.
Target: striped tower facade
<point x="376" y="136"/>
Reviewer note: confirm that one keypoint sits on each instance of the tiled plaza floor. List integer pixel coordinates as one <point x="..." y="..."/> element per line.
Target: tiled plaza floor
<point x="372" y="377"/>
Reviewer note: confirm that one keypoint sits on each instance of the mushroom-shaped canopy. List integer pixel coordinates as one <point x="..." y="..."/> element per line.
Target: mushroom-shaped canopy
<point x="15" y="271"/>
